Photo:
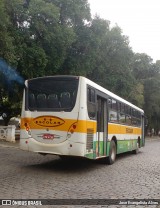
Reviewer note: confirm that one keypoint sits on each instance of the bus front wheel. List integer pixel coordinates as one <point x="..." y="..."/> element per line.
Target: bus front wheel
<point x="136" y="151"/>
<point x="112" y="153"/>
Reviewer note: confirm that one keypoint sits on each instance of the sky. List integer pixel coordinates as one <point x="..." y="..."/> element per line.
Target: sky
<point x="138" y="19"/>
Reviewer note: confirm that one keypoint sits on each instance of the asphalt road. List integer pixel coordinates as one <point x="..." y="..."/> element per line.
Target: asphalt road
<point x="26" y="175"/>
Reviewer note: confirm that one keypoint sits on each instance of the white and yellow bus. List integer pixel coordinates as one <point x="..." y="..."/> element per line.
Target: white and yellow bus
<point x="73" y="116"/>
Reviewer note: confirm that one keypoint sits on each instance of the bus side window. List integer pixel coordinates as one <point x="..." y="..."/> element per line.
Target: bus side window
<point x="121" y="115"/>
<point x="109" y="103"/>
<point x="138" y="119"/>
<point x="128" y="115"/>
<point x="91" y="103"/>
<point x="113" y="111"/>
<point x="134" y="120"/>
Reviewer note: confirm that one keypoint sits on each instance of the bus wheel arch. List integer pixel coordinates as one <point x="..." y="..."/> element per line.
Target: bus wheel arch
<point x="112" y="151"/>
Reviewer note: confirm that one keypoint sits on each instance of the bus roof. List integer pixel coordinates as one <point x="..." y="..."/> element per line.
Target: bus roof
<point x="112" y="95"/>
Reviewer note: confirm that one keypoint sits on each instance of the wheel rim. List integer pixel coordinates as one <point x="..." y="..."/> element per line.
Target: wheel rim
<point x="113" y="155"/>
<point x="137" y="146"/>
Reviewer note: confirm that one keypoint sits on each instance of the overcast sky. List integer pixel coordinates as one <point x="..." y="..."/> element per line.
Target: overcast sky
<point x="138" y="19"/>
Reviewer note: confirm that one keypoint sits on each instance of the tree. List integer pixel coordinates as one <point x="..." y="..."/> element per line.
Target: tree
<point x="152" y="101"/>
<point x="113" y="60"/>
<point x="10" y="94"/>
<point x="84" y="50"/>
<point x="136" y="95"/>
<point x="9" y="105"/>
<point x="43" y="33"/>
<point x="147" y="75"/>
<point x="72" y="13"/>
<point x="76" y="15"/>
<point x="6" y="40"/>
<point x="143" y="66"/>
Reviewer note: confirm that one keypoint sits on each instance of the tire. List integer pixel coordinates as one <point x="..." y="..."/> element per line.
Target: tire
<point x="112" y="153"/>
<point x="136" y="151"/>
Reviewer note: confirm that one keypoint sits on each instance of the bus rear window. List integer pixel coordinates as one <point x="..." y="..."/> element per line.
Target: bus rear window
<point x="51" y="94"/>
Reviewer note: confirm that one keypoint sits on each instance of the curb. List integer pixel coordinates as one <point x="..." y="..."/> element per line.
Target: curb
<point x="9" y="144"/>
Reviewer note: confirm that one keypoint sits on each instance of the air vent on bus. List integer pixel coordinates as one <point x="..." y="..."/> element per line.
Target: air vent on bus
<point x="89" y="144"/>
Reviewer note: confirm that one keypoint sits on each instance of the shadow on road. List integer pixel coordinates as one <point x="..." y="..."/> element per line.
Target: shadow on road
<point x="75" y="164"/>
<point x="66" y="165"/>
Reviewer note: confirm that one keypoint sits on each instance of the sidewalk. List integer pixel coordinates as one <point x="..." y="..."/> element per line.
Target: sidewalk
<point x="4" y="143"/>
<point x="152" y="138"/>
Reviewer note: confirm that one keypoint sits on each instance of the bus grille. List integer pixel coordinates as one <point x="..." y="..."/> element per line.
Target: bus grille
<point x="89" y="144"/>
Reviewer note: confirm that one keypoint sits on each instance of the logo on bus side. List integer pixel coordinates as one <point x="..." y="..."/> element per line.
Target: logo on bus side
<point x="48" y="121"/>
<point x="129" y="130"/>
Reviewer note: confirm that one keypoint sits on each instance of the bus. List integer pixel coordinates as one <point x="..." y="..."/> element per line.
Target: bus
<point x="73" y="116"/>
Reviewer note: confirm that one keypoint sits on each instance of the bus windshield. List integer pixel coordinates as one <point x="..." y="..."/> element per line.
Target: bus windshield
<point x="51" y="94"/>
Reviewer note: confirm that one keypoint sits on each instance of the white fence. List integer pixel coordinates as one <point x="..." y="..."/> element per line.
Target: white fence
<point x="8" y="133"/>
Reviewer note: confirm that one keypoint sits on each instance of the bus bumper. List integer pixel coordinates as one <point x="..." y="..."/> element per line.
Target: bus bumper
<point x="65" y="148"/>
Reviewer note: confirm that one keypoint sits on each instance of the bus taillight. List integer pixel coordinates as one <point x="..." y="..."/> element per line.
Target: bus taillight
<point x="71" y="129"/>
<point x="27" y="128"/>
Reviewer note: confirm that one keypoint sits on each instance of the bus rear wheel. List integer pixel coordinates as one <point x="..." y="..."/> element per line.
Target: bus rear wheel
<point x="112" y="153"/>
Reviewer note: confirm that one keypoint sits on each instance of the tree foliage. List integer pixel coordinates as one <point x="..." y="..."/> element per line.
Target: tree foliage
<point x="48" y="37"/>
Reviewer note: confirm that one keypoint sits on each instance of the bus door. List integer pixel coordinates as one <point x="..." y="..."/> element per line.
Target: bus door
<point x="143" y="130"/>
<point x="101" y="127"/>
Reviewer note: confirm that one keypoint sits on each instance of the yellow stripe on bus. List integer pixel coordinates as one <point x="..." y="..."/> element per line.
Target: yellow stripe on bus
<point x="122" y="129"/>
<point x="80" y="126"/>
<point x="69" y="124"/>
